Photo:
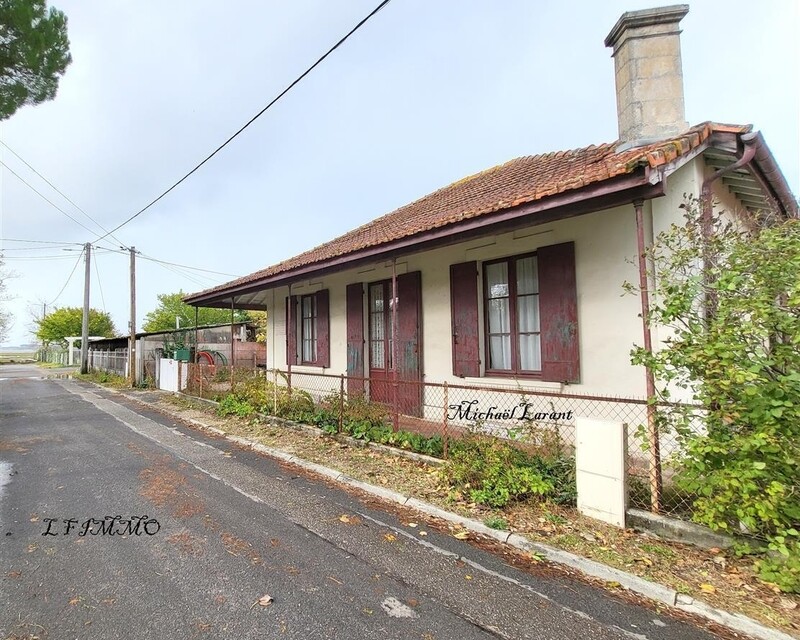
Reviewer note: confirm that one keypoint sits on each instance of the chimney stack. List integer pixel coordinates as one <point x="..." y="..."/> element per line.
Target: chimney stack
<point x="649" y="77"/>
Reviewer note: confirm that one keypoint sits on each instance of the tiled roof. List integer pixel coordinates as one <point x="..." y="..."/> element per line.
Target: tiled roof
<point x="516" y="182"/>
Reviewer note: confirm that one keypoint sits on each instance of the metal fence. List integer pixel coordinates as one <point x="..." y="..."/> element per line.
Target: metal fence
<point x="539" y="421"/>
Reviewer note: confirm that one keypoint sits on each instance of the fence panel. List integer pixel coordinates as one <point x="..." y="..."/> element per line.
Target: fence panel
<point x="539" y="421"/>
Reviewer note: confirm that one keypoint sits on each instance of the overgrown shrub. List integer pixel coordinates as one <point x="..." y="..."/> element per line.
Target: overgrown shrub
<point x="733" y="305"/>
<point x="494" y="472"/>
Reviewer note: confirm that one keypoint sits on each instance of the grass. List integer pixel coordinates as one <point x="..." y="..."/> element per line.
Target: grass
<point x="720" y="579"/>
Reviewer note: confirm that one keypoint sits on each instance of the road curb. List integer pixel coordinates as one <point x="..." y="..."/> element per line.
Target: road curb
<point x="631" y="582"/>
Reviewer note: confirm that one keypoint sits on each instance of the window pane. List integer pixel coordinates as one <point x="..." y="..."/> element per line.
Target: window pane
<point x="307" y="307"/>
<point x="376" y="326"/>
<point x="528" y="313"/>
<point x="377" y="360"/>
<point x="497" y="279"/>
<point x="499" y="320"/>
<point x="530" y="352"/>
<point x="527" y="276"/>
<point x="309" y="350"/>
<point x="500" y="352"/>
<point x="376" y="297"/>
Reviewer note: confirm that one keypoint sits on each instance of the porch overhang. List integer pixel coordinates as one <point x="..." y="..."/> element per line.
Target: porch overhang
<point x="619" y="191"/>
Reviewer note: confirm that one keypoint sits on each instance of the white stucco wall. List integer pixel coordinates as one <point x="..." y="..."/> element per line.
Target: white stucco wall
<point x="608" y="320"/>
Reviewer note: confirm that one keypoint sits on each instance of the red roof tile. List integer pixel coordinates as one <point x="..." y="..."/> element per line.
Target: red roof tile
<point x="516" y="182"/>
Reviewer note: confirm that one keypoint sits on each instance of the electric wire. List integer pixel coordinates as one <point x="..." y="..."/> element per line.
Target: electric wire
<point x="252" y="120"/>
<point x="69" y="277"/>
<point x="45" y="198"/>
<point x="99" y="284"/>
<point x="56" y="189"/>
<point x="80" y="244"/>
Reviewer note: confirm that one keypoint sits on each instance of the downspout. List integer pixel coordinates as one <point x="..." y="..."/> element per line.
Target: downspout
<point x="233" y="348"/>
<point x="196" y="344"/>
<point x="656" y="480"/>
<point x="751" y="143"/>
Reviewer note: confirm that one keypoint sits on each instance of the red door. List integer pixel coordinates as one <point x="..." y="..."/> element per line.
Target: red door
<point x="407" y="396"/>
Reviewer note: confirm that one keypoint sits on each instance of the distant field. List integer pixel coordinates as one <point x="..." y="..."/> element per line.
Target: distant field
<point x="7" y="357"/>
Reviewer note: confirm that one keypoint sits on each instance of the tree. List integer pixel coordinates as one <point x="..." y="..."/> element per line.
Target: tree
<point x="5" y="316"/>
<point x="172" y="306"/>
<point x="34" y="53"/>
<point x="68" y="321"/>
<point x="731" y="299"/>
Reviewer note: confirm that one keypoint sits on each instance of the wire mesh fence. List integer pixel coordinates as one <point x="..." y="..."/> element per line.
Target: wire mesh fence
<point x="428" y="417"/>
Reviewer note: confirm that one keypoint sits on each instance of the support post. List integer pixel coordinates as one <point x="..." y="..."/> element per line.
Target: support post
<point x="445" y="404"/>
<point x="396" y="424"/>
<point x="233" y="347"/>
<point x="132" y="347"/>
<point x="656" y="486"/>
<point x="341" y="403"/>
<point x="85" y="323"/>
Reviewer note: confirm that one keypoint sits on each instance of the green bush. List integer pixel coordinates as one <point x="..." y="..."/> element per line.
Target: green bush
<point x="230" y="405"/>
<point x="494" y="472"/>
<point x="735" y="345"/>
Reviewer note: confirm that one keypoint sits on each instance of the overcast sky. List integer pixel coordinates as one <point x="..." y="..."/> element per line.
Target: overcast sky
<point x="426" y="93"/>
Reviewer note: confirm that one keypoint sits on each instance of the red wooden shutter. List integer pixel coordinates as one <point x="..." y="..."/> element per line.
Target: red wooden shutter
<point x="409" y="341"/>
<point x="323" y="329"/>
<point x="558" y="308"/>
<point x="355" y="338"/>
<point x="464" y="310"/>
<point x="291" y="329"/>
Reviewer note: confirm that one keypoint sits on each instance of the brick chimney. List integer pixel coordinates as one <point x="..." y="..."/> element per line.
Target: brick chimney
<point x="649" y="77"/>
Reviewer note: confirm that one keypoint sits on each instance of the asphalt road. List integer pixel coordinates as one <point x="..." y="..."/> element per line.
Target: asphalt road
<point x="207" y="530"/>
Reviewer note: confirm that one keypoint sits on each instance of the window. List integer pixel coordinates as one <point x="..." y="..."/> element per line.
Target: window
<point x="511" y="303"/>
<point x="530" y="324"/>
<point x="307" y="329"/>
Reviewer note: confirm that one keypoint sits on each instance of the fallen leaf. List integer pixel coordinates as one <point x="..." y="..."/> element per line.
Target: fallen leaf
<point x="75" y="600"/>
<point x="265" y="600"/>
<point x="708" y="588"/>
<point x="467" y="577"/>
<point x="645" y="560"/>
<point x="390" y="537"/>
<point x="613" y="584"/>
<point x="412" y="524"/>
<point x="715" y="550"/>
<point x="344" y="518"/>
<point x="461" y="535"/>
<point x="423" y="533"/>
<point x="35" y="519"/>
<point x="789" y="605"/>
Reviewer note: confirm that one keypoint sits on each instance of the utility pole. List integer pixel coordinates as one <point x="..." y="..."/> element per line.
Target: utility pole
<point x="85" y="325"/>
<point x="132" y="349"/>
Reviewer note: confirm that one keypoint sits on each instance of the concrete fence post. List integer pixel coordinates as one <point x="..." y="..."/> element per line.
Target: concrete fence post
<point x="601" y="458"/>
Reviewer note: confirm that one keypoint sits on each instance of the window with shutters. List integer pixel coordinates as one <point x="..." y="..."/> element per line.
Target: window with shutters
<point x="307" y="335"/>
<point x="530" y="316"/>
<point x="511" y="304"/>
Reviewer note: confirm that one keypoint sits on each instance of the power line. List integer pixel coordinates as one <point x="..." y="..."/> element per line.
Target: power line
<point x="45" y="198"/>
<point x="80" y="244"/>
<point x="184" y="266"/>
<point x="99" y="285"/>
<point x="56" y="189"/>
<point x="253" y="119"/>
<point x="69" y="277"/>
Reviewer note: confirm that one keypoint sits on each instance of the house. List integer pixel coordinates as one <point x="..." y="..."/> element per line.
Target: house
<point x="513" y="276"/>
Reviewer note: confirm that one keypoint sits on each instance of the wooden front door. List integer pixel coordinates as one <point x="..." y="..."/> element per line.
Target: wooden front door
<point x="407" y="397"/>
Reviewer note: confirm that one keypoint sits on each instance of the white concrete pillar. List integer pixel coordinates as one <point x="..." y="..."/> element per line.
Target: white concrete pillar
<point x="601" y="464"/>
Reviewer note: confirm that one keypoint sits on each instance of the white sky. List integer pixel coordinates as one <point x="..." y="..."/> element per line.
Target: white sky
<point x="424" y="94"/>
